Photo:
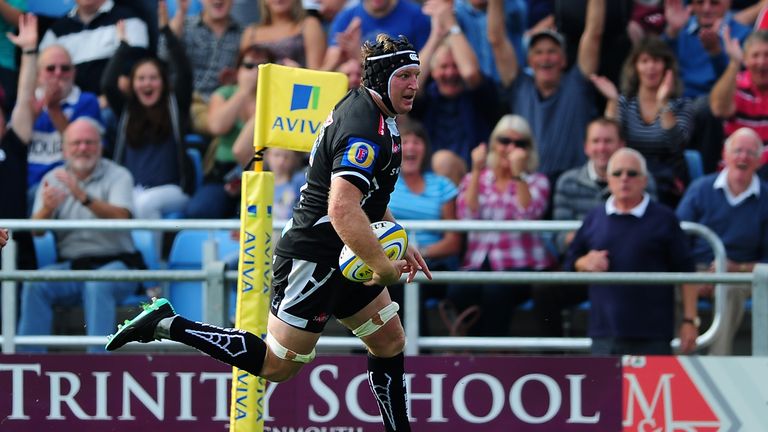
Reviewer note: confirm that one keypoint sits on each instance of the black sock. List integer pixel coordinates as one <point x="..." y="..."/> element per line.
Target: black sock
<point x="387" y="379"/>
<point x="236" y="347"/>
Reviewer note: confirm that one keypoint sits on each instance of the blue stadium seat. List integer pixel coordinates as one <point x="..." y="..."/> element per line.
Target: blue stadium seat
<point x="145" y="242"/>
<point x="197" y="165"/>
<point x="187" y="254"/>
<point x="45" y="249"/>
<point x="695" y="164"/>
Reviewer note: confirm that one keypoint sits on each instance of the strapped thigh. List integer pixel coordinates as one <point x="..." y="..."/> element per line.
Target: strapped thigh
<point x="377" y="321"/>
<point x="286" y="354"/>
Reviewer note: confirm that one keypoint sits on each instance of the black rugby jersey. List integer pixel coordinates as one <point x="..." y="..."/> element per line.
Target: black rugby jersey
<point x="361" y="144"/>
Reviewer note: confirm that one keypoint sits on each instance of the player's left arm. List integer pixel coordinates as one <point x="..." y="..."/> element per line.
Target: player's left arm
<point x="412" y="255"/>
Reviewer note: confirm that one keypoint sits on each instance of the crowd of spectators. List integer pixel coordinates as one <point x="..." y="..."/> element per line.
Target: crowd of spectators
<point x="507" y="123"/>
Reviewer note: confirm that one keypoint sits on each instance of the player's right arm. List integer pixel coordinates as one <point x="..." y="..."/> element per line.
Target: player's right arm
<point x="353" y="227"/>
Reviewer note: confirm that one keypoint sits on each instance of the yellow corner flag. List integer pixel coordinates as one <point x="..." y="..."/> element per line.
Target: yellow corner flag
<point x="291" y="106"/>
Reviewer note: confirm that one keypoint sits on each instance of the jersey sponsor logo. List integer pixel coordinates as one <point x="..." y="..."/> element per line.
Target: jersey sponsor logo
<point x="360" y="153"/>
<point x="305" y="97"/>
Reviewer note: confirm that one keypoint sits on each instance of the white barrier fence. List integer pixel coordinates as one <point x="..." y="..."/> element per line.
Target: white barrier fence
<point x="214" y="276"/>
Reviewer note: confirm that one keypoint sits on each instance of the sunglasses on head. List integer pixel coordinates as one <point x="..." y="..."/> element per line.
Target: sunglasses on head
<point x="519" y="143"/>
<point x="250" y="66"/>
<point x="629" y="172"/>
<point x="63" y="67"/>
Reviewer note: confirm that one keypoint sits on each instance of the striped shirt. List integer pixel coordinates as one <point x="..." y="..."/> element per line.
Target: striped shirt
<point x="662" y="148"/>
<point x="751" y="109"/>
<point x="504" y="250"/>
<point x="92" y="44"/>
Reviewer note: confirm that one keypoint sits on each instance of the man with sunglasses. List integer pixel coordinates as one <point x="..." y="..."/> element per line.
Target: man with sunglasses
<point x="578" y="191"/>
<point x="631" y="233"/>
<point x="733" y="204"/>
<point x="59" y="101"/>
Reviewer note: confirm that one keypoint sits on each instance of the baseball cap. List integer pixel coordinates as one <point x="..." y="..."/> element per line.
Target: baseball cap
<point x="547" y="33"/>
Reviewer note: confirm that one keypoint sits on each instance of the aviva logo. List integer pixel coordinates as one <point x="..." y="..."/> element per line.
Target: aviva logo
<point x="305" y="97"/>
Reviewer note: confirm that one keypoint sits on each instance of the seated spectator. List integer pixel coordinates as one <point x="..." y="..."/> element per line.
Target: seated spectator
<point x="473" y="22"/>
<point x="295" y="38"/>
<point x="631" y="233"/>
<point x="579" y="191"/>
<point x="152" y="118"/>
<point x="286" y="166"/>
<point x="15" y="139"/>
<point x="695" y="34"/>
<point x="354" y="72"/>
<point x="60" y="101"/>
<point x="362" y="22"/>
<point x="211" y="41"/>
<point x="734" y="205"/>
<point x="456" y="103"/>
<point x="86" y="187"/>
<point x="289" y="176"/>
<point x="557" y="102"/>
<point x="88" y="34"/>
<point x="230" y="108"/>
<point x="502" y="185"/>
<point x="10" y="11"/>
<point x="741" y="98"/>
<point x="655" y="120"/>
<point x="423" y="195"/>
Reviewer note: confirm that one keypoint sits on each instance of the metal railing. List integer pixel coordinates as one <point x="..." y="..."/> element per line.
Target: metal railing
<point x="213" y="276"/>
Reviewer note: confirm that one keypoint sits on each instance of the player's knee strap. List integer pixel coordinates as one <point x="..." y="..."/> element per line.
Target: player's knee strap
<point x="286" y="354"/>
<point x="377" y="321"/>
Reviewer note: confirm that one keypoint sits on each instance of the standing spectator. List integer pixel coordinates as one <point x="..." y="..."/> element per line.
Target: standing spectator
<point x="734" y="205"/>
<point x="211" y="40"/>
<point x="88" y="34"/>
<point x="502" y="185"/>
<point x="230" y="108"/>
<point x="86" y="187"/>
<point x="631" y="233"/>
<point x="14" y="141"/>
<point x="362" y="22"/>
<point x="472" y="20"/>
<point x="741" y="98"/>
<point x="295" y="38"/>
<point x="10" y="11"/>
<point x="456" y="103"/>
<point x="654" y="118"/>
<point x="59" y="101"/>
<point x="152" y="117"/>
<point x="696" y="36"/>
<point x="557" y="103"/>
<point x="423" y="195"/>
<point x="579" y="191"/>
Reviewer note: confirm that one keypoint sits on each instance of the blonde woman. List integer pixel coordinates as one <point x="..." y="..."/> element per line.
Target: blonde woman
<point x="297" y="39"/>
<point x="502" y="185"/>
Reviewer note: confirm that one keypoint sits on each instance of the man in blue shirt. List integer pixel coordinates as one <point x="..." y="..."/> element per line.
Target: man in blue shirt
<point x="557" y="102"/>
<point x="367" y="19"/>
<point x="696" y="37"/>
<point x="631" y="233"/>
<point x="733" y="205"/>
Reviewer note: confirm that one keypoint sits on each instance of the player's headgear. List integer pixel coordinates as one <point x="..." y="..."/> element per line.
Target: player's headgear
<point x="383" y="60"/>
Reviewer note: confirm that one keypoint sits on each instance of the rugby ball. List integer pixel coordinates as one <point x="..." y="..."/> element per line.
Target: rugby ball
<point x="393" y="240"/>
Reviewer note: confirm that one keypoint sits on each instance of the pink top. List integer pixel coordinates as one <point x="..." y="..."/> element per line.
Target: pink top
<point x="505" y="250"/>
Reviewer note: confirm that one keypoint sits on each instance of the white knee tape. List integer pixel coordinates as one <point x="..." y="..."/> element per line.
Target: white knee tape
<point x="374" y="324"/>
<point x="286" y="354"/>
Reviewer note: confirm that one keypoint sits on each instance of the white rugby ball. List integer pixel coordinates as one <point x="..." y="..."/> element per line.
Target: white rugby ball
<point x="393" y="240"/>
